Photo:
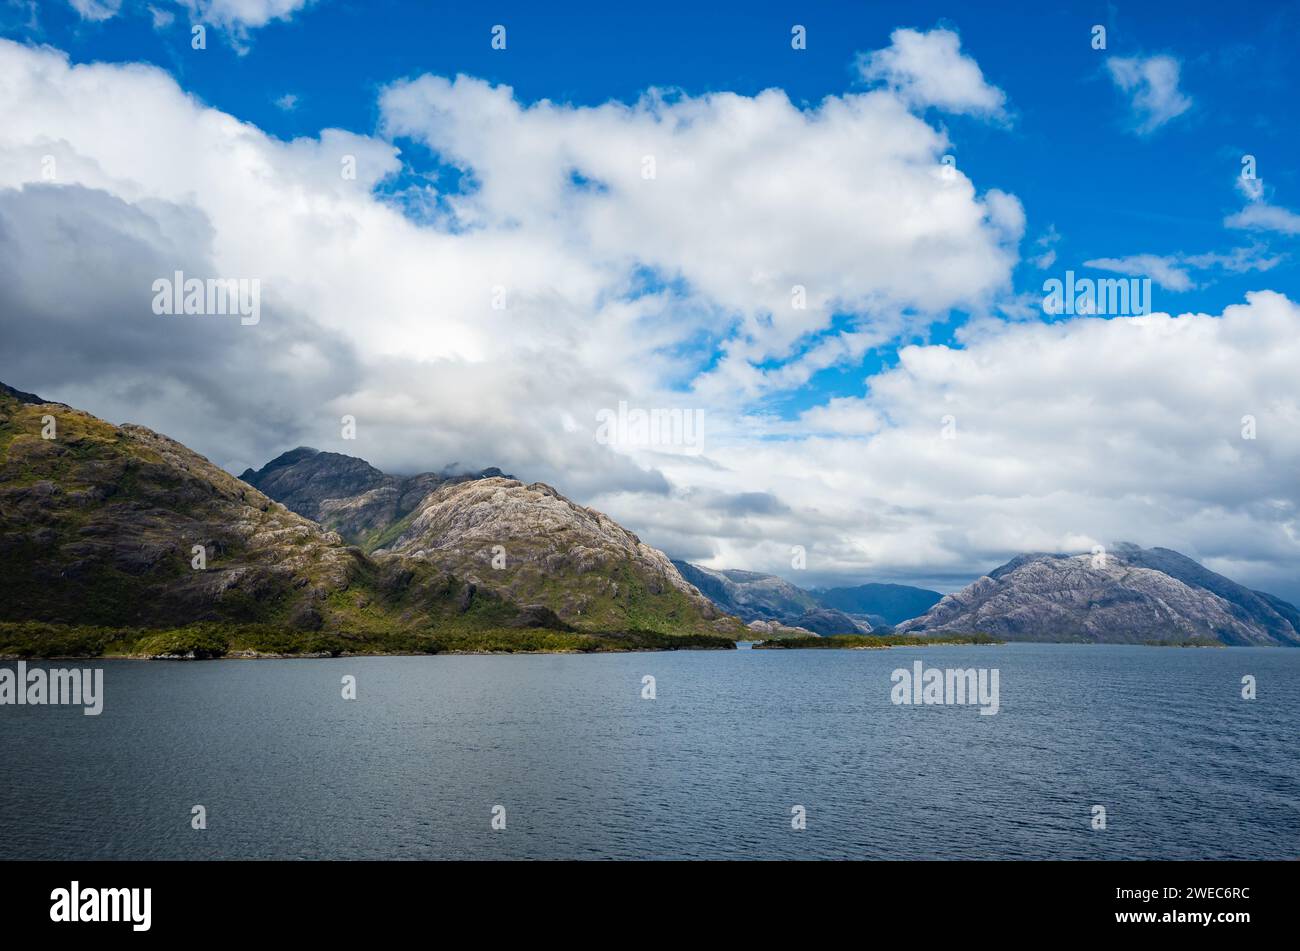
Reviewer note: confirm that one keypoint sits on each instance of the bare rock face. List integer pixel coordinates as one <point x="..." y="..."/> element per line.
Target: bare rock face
<point x="1134" y="595"/>
<point x="348" y="494"/>
<point x="533" y="545"/>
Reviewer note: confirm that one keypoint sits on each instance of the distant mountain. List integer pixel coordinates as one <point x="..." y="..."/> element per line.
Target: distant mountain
<point x="749" y="595"/>
<point x="1136" y="596"/>
<point x="892" y="603"/>
<point x="117" y="539"/>
<point x="752" y="596"/>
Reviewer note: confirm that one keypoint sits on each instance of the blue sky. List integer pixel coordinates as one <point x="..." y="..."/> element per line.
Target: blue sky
<point x="823" y="423"/>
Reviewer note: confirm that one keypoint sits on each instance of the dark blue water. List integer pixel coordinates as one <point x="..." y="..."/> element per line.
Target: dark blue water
<point x="711" y="768"/>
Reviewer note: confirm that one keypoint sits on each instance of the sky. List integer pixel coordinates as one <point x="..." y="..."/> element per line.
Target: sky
<point x="825" y="233"/>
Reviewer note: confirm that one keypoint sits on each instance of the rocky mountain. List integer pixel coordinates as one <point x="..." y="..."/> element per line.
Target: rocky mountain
<point x="1134" y="595"/>
<point x="347" y="494"/>
<point x="882" y="603"/>
<point x="747" y="594"/>
<point x="533" y="545"/>
<point x="116" y="536"/>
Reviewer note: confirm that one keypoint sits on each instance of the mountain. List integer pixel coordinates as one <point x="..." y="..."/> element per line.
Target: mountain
<point x="891" y="603"/>
<point x="348" y="494"/>
<point x="1136" y="596"/>
<point x="749" y="595"/>
<point x="532" y="544"/>
<point x="100" y="524"/>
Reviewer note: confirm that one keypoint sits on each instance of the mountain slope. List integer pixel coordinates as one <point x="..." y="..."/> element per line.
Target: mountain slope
<point x="1137" y="596"/>
<point x="749" y="595"/>
<point x="533" y="545"/>
<point x="99" y="525"/>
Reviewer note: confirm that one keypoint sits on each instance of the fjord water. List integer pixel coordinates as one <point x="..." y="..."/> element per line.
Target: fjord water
<point x="586" y="768"/>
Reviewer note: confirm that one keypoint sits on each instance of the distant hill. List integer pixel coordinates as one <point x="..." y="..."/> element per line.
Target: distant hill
<point x="1138" y="595"/>
<point x="894" y="603"/>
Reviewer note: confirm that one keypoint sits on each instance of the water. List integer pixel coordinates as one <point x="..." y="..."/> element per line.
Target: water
<point x="710" y="769"/>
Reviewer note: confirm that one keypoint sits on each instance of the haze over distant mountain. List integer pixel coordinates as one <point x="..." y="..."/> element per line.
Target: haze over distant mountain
<point x="1133" y="595"/>
<point x="752" y="596"/>
<point x="891" y="603"/>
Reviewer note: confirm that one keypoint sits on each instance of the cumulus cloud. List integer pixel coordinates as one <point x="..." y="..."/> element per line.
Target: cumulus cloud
<point x="242" y="13"/>
<point x="929" y="69"/>
<point x="236" y="15"/>
<point x="97" y="9"/>
<point x="1151" y="83"/>
<point x="1261" y="216"/>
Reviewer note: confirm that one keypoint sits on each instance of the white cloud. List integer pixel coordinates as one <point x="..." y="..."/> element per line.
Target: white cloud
<point x="1173" y="272"/>
<point x="288" y="102"/>
<point x="242" y="13"/>
<point x="1152" y="84"/>
<point x="1261" y="216"/>
<point x="97" y="9"/>
<point x="929" y="69"/>
<point x="236" y="15"/>
<point x="1164" y="271"/>
<point x="750" y="198"/>
<point x="161" y="18"/>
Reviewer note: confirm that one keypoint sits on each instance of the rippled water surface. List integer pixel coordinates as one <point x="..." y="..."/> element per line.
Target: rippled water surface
<point x="711" y="768"/>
